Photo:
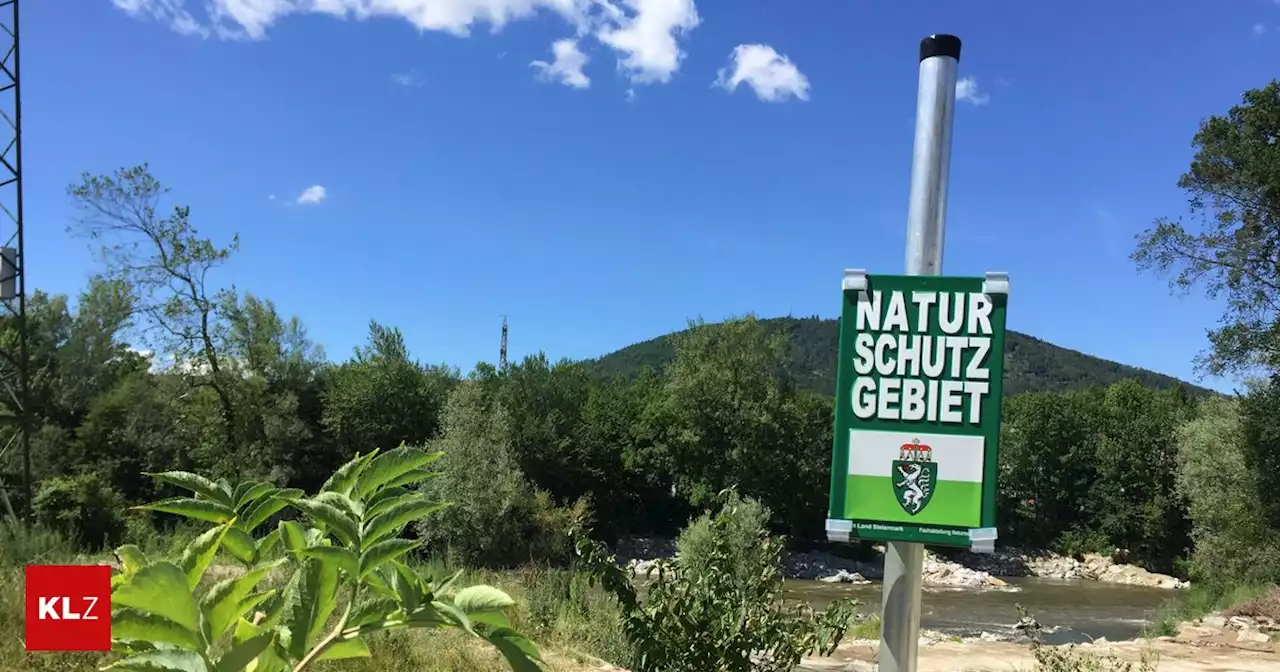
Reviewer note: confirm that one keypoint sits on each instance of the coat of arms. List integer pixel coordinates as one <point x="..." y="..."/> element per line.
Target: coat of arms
<point x="914" y="475"/>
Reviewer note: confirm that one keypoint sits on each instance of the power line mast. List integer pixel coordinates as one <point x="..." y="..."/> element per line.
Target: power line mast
<point x="14" y="357"/>
<point x="502" y="353"/>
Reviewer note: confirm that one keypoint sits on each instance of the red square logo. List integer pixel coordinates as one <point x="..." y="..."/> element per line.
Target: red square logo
<point x="68" y="608"/>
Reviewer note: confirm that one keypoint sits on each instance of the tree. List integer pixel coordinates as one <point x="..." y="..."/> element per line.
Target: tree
<point x="280" y="392"/>
<point x="1234" y="544"/>
<point x="383" y="398"/>
<point x="545" y="402"/>
<point x="1234" y="187"/>
<point x="167" y="264"/>
<point x="477" y="458"/>
<point x="1139" y="508"/>
<point x="1047" y="447"/>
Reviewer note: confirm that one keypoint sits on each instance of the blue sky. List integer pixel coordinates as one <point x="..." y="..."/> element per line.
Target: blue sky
<point x="601" y="172"/>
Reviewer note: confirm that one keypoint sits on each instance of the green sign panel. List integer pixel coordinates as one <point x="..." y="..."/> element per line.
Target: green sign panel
<point x="917" y="421"/>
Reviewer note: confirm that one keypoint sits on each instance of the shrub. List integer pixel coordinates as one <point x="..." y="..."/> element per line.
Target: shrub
<point x="512" y="523"/>
<point x="1077" y="543"/>
<point x="81" y="508"/>
<point x="696" y="618"/>
<point x="344" y="557"/>
<point x="741" y="525"/>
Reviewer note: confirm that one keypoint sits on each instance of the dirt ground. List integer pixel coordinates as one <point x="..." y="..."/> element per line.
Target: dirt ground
<point x="1004" y="656"/>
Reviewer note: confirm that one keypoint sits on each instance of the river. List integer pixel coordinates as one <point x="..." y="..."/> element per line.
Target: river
<point x="1081" y="609"/>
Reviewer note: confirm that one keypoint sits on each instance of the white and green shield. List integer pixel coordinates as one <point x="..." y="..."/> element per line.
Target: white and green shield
<point x="913" y="484"/>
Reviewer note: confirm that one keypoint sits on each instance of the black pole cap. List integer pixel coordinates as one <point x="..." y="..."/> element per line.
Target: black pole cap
<point x="940" y="45"/>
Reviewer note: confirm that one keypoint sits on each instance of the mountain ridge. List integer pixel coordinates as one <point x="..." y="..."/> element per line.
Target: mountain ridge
<point x="1031" y="364"/>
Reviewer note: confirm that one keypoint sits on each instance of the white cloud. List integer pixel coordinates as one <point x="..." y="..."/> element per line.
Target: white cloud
<point x="567" y="66"/>
<point x="647" y="37"/>
<point x="967" y="90"/>
<point x="644" y="33"/>
<point x="171" y="12"/>
<point x="406" y="79"/>
<point x="771" y="75"/>
<point x="311" y="195"/>
<point x="1259" y="29"/>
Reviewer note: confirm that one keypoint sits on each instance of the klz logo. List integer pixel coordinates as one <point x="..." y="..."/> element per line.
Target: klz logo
<point x="49" y="609"/>
<point x="68" y="608"/>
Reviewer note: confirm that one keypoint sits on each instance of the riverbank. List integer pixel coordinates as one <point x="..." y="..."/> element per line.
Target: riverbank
<point x="1171" y="656"/>
<point x="959" y="570"/>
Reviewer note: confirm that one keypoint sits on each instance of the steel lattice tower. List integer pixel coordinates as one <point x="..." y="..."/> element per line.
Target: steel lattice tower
<point x="502" y="353"/>
<point x="14" y="355"/>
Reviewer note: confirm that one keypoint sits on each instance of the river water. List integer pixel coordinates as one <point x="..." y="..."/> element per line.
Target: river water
<point x="1080" y="610"/>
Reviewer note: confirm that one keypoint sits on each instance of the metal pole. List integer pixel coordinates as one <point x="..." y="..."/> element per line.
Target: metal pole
<point x="926" y="226"/>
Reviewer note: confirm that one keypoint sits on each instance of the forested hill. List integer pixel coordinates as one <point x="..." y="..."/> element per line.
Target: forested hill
<point x="1031" y="365"/>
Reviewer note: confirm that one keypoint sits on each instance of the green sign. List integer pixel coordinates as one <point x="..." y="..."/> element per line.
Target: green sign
<point x="917" y="421"/>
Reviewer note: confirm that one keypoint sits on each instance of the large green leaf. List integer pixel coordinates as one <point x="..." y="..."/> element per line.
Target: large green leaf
<point x="455" y="616"/>
<point x="199" y="553"/>
<point x="393" y="519"/>
<point x="384" y="551"/>
<point x="167" y="660"/>
<point x="258" y="512"/>
<point x="521" y="654"/>
<point x="342" y="503"/>
<point x="382" y="585"/>
<point x="198" y="484"/>
<point x="227" y="600"/>
<point x="370" y="611"/>
<point x="310" y="599"/>
<point x="338" y="521"/>
<point x="339" y="556"/>
<point x="251" y="491"/>
<point x="407" y="585"/>
<point x="293" y="536"/>
<point x="266" y="544"/>
<point x="391" y="465"/>
<point x="160" y="589"/>
<point x="382" y="505"/>
<point x="200" y="509"/>
<point x="475" y="599"/>
<point x="344" y="479"/>
<point x="411" y="477"/>
<point x="380" y="496"/>
<point x="239" y="656"/>
<point x="131" y="624"/>
<point x="239" y="544"/>
<point x="131" y="558"/>
<point x="346" y="648"/>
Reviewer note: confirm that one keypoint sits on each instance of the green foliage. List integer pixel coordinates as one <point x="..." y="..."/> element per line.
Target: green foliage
<point x="512" y="522"/>
<point x="1094" y="471"/>
<point x="736" y="530"/>
<point x="696" y="617"/>
<point x="381" y="397"/>
<point x="81" y="508"/>
<point x="1234" y="542"/>
<point x="1234" y="253"/>
<point x="345" y="557"/>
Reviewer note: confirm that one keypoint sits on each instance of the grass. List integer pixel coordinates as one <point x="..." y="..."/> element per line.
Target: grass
<point x="866" y="628"/>
<point x="575" y="626"/>
<point x="1198" y="601"/>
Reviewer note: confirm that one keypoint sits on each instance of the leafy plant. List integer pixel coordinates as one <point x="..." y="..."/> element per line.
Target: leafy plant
<point x="698" y="618"/>
<point x="344" y="557"/>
